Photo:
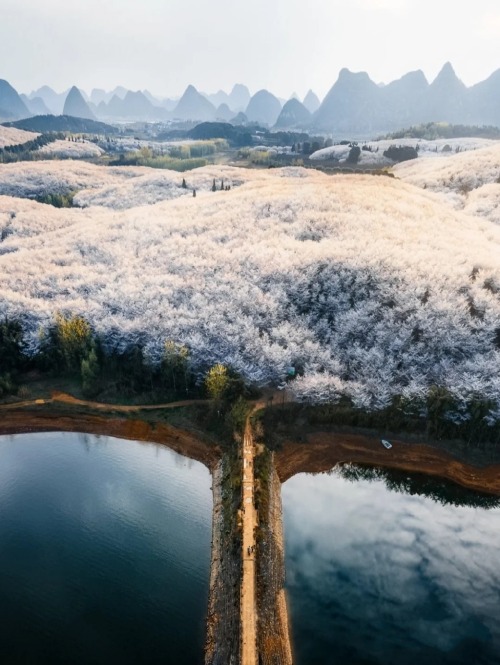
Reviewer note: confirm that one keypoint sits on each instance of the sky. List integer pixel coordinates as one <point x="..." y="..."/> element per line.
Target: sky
<point x="284" y="45"/>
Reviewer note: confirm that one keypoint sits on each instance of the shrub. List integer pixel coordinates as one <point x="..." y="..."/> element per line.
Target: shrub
<point x="354" y="155"/>
<point x="57" y="200"/>
<point x="23" y="392"/>
<point x="11" y="346"/>
<point x="401" y="153"/>
<point x="90" y="371"/>
<point x="7" y="386"/>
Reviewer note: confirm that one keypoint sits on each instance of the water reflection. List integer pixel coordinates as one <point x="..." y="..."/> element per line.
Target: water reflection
<point x="375" y="576"/>
<point x="104" y="552"/>
<point x="441" y="491"/>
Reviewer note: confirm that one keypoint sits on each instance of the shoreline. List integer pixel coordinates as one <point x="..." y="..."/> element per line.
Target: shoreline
<point x="179" y="440"/>
<point x="320" y="453"/>
<point x="324" y="450"/>
<point x="222" y="635"/>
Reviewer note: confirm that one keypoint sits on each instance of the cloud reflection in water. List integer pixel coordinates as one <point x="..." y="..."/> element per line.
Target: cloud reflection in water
<point x="375" y="576"/>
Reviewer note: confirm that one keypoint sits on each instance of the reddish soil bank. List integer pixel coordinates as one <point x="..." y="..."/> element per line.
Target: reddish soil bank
<point x="181" y="441"/>
<point x="324" y="450"/>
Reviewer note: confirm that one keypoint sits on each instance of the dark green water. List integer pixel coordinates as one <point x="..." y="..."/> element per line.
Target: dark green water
<point x="104" y="552"/>
<point x="377" y="577"/>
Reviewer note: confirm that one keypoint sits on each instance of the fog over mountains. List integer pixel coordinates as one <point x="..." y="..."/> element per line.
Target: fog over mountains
<point x="354" y="105"/>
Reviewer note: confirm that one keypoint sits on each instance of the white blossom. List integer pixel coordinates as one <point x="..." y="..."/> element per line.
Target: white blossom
<point x="369" y="286"/>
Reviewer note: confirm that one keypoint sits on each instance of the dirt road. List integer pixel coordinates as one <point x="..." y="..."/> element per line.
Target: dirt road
<point x="248" y="598"/>
<point x="64" y="398"/>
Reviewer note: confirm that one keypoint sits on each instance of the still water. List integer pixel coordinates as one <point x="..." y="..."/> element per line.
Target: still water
<point x="104" y="552"/>
<point x="383" y="577"/>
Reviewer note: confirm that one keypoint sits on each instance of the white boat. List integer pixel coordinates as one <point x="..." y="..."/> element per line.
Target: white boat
<point x="386" y="443"/>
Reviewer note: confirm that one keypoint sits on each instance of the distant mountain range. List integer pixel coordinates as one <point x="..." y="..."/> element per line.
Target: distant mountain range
<point x="54" y="101"/>
<point x="354" y="106"/>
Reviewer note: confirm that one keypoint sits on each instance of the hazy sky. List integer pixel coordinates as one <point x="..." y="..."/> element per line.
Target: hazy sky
<point x="283" y="45"/>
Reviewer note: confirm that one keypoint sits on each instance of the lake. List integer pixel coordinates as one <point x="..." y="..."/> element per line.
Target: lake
<point x="104" y="552"/>
<point x="383" y="577"/>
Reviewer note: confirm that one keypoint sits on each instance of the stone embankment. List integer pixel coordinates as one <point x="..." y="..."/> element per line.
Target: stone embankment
<point x="273" y="639"/>
<point x="247" y="616"/>
<point x="222" y="646"/>
<point x="231" y="492"/>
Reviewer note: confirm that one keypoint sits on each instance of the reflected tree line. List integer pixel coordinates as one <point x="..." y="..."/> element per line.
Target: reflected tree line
<point x="441" y="491"/>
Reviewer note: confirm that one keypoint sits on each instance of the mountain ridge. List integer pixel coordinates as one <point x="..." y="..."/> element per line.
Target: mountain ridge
<point x="12" y="106"/>
<point x="76" y="106"/>
<point x="355" y="105"/>
<point x="194" y="106"/>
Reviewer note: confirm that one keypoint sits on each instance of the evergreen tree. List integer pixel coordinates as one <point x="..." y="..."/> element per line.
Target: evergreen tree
<point x="184" y="184"/>
<point x="214" y="186"/>
<point x="91" y="372"/>
<point x="175" y="366"/>
<point x="11" y="346"/>
<point x="354" y="155"/>
<point x="7" y="386"/>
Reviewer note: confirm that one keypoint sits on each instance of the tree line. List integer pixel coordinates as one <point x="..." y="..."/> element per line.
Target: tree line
<point x="27" y="151"/>
<point x="70" y="348"/>
<point x="440" y="130"/>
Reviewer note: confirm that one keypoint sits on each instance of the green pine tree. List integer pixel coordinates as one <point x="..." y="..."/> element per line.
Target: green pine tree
<point x="91" y="372"/>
